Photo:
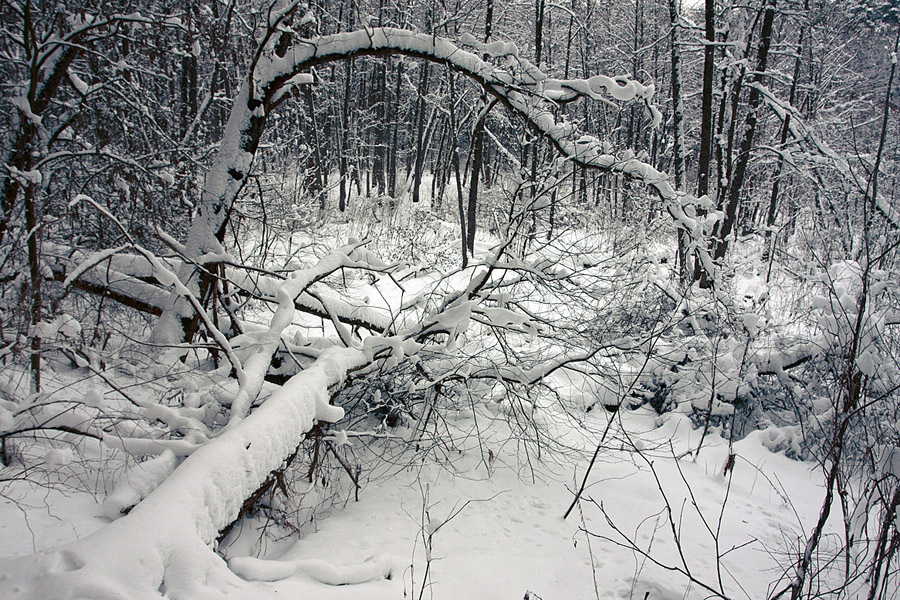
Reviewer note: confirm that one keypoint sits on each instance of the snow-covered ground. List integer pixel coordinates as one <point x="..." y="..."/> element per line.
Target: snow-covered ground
<point x="495" y="529"/>
<point x="479" y="512"/>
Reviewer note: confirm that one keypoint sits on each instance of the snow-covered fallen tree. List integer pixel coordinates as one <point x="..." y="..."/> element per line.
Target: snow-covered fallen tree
<point x="179" y="521"/>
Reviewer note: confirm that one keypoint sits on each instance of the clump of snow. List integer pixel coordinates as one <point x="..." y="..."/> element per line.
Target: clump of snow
<point x="58" y="457"/>
<point x="339" y="437"/>
<point x="65" y="325"/>
<point x="94" y="399"/>
<point x="373" y="568"/>
<point x="137" y="482"/>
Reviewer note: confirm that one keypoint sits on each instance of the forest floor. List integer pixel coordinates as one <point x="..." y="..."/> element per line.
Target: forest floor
<point x="493" y="520"/>
<point x="480" y="514"/>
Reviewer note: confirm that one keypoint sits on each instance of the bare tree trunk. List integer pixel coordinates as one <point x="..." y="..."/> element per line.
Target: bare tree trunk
<point x="785" y="129"/>
<point x="345" y="134"/>
<point x="379" y="162"/>
<point x="40" y="93"/>
<point x="706" y="114"/>
<point x="726" y="158"/>
<point x="472" y="209"/>
<point x="538" y="47"/>
<point x="439" y="169"/>
<point x="394" y="123"/>
<point x="33" y="226"/>
<point x="420" y="133"/>
<point x="477" y="148"/>
<point x="454" y="160"/>
<point x="319" y="173"/>
<point x="678" y="126"/>
<point x="563" y="111"/>
<point x="706" y="110"/>
<point x="873" y="180"/>
<point x="723" y="231"/>
<point x="188" y="79"/>
<point x="636" y="67"/>
<point x="677" y="103"/>
<point x="883" y="549"/>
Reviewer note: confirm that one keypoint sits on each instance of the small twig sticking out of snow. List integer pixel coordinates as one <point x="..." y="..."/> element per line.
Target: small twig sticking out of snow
<point x="350" y="472"/>
<point x="590" y="553"/>
<point x="588" y="471"/>
<point x="428" y="529"/>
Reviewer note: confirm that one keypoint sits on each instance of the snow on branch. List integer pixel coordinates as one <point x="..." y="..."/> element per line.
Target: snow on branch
<point x="817" y="147"/>
<point x="515" y="82"/>
<point x="178" y="521"/>
<point x="266" y="342"/>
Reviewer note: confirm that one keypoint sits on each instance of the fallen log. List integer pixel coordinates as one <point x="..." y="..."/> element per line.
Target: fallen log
<point x="164" y="545"/>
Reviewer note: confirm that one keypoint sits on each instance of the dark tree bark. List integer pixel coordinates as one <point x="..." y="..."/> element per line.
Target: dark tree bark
<point x="32" y="225"/>
<point x="393" y="120"/>
<point x="678" y="127"/>
<point x="785" y="130"/>
<point x="454" y="160"/>
<point x="345" y="134"/>
<point x="538" y="47"/>
<point x="706" y="115"/>
<point x="420" y="133"/>
<point x="725" y="148"/>
<point x="723" y="231"/>
<point x="677" y="103"/>
<point x="706" y="111"/>
<point x="477" y="148"/>
<point x="439" y="170"/>
<point x="319" y="172"/>
<point x="40" y="93"/>
<point x="379" y="163"/>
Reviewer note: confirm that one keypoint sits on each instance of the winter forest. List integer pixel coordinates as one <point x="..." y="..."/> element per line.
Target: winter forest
<point x="443" y="299"/>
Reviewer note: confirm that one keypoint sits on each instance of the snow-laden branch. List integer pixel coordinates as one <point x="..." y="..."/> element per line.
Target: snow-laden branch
<point x="129" y="279"/>
<point x="818" y="148"/>
<point x="265" y="343"/>
<point x="515" y="82"/>
<point x="124" y="278"/>
<point x="177" y="522"/>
